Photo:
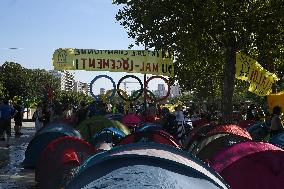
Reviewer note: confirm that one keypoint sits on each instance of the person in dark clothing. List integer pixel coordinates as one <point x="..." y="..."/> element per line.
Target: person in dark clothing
<point x="7" y="113"/>
<point x="81" y="113"/>
<point x="276" y="124"/>
<point x="168" y="121"/>
<point x="251" y="112"/>
<point x="18" y="118"/>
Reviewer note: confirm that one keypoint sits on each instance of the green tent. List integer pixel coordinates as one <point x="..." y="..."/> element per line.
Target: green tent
<point x="91" y="126"/>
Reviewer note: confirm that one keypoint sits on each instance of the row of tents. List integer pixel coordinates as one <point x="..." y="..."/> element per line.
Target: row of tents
<point x="114" y="151"/>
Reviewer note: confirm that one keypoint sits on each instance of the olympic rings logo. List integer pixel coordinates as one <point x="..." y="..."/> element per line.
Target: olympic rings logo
<point x="135" y="95"/>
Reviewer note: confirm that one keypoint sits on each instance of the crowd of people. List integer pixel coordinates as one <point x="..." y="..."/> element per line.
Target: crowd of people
<point x="175" y="123"/>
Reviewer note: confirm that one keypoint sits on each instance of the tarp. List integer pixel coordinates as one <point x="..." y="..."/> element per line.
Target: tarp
<point x="145" y="166"/>
<point x="278" y="140"/>
<point x="91" y="126"/>
<point x="251" y="165"/>
<point x="60" y="157"/>
<point x="156" y="136"/>
<point x="109" y="135"/>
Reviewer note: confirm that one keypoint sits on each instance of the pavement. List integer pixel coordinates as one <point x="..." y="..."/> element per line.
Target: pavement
<point x="12" y="174"/>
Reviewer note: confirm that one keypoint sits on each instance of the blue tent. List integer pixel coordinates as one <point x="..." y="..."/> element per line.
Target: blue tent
<point x="145" y="165"/>
<point x="149" y="126"/>
<point x="108" y="135"/>
<point x="258" y="131"/>
<point x="60" y="127"/>
<point x="278" y="140"/>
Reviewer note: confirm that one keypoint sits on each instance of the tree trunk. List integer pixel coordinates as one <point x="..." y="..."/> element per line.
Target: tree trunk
<point x="228" y="83"/>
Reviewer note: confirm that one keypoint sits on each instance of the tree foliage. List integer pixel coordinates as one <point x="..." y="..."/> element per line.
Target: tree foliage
<point x="28" y="84"/>
<point x="205" y="36"/>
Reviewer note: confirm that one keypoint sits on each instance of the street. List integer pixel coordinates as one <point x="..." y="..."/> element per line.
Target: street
<point x="12" y="175"/>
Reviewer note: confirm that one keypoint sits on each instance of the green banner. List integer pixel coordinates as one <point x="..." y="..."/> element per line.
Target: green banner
<point x="132" y="61"/>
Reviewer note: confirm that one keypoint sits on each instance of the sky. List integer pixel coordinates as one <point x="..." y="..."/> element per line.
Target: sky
<point x="38" y="27"/>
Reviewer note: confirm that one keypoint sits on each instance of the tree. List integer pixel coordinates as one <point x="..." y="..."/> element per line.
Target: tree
<point x="14" y="78"/>
<point x="201" y="29"/>
<point x="30" y="85"/>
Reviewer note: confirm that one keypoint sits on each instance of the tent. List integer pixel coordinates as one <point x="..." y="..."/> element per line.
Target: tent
<point x="131" y="120"/>
<point x="196" y="135"/>
<point x="43" y="138"/>
<point x="116" y="117"/>
<point x="60" y="127"/>
<point x="143" y="165"/>
<point x="212" y="144"/>
<point x="232" y="129"/>
<point x="259" y="131"/>
<point x="148" y="126"/>
<point x="58" y="160"/>
<point x="157" y="136"/>
<point x="251" y="165"/>
<point x="91" y="126"/>
<point x="246" y="123"/>
<point x="109" y="135"/>
<point x="37" y="145"/>
<point x="278" y="140"/>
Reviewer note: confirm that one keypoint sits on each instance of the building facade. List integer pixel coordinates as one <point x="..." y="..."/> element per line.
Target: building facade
<point x="67" y="81"/>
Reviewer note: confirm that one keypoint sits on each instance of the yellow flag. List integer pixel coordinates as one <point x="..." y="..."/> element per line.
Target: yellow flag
<point x="250" y="70"/>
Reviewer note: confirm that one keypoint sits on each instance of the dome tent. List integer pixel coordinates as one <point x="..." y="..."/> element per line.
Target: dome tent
<point x="251" y="165"/>
<point x="60" y="157"/>
<point x="144" y="165"/>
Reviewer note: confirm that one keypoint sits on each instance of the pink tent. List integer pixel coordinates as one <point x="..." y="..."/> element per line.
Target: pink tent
<point x="131" y="120"/>
<point x="251" y="165"/>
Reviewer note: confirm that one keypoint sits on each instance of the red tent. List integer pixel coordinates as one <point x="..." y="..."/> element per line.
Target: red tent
<point x="131" y="120"/>
<point x="232" y="129"/>
<point x="251" y="165"/>
<point x="59" y="158"/>
<point x="157" y="136"/>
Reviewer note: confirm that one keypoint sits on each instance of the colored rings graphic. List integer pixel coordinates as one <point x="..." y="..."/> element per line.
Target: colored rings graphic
<point x="163" y="97"/>
<point x="122" y="94"/>
<point x="132" y="97"/>
<point x="98" y="77"/>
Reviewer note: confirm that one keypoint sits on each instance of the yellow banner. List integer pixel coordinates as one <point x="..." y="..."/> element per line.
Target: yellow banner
<point x="276" y="100"/>
<point x="132" y="61"/>
<point x="250" y="70"/>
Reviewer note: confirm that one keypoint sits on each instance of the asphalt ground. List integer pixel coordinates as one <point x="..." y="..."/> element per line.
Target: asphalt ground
<point x="12" y="174"/>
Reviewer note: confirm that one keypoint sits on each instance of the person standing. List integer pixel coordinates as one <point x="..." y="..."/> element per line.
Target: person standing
<point x="18" y="118"/>
<point x="276" y="125"/>
<point x="7" y="113"/>
<point x="38" y="117"/>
